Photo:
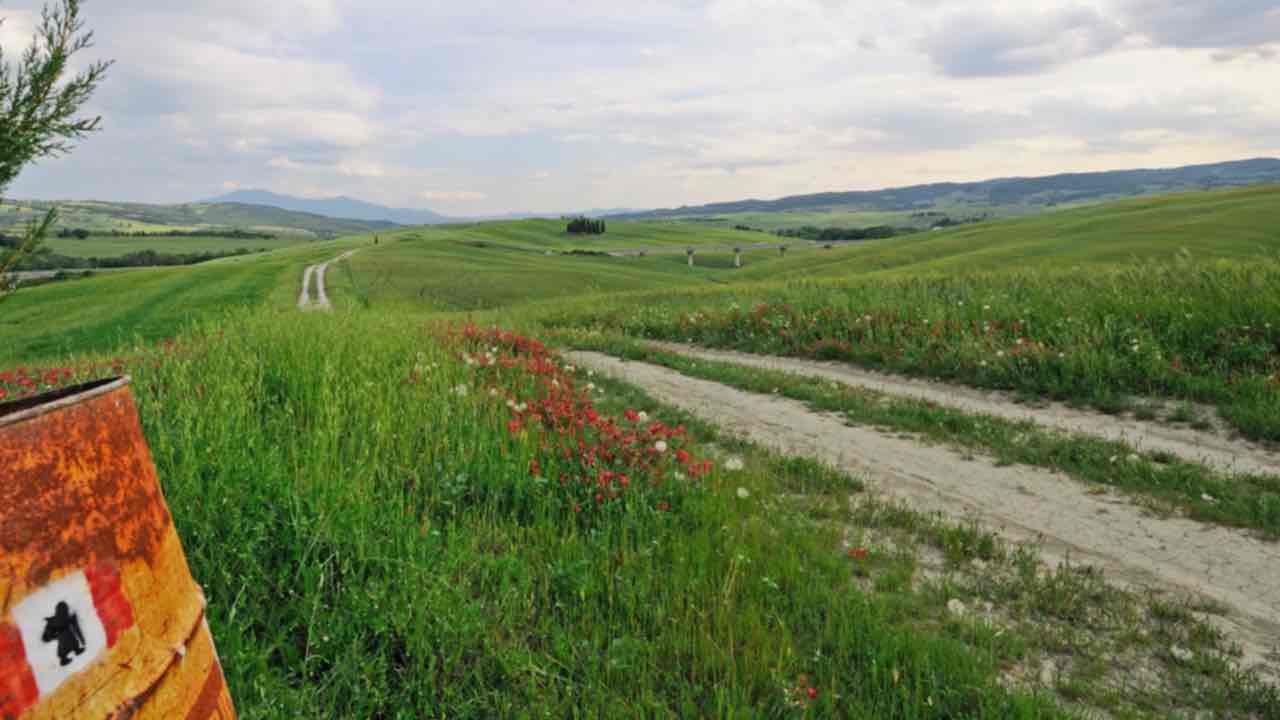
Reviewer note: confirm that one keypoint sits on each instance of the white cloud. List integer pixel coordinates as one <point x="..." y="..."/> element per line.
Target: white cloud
<point x="452" y="196"/>
<point x="568" y="104"/>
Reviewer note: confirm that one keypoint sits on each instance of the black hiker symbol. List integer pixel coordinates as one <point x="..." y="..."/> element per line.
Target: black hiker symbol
<point x="64" y="627"/>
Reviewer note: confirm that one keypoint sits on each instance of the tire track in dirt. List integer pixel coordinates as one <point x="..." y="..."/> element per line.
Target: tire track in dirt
<point x="318" y="272"/>
<point x="1024" y="504"/>
<point x="1214" y="449"/>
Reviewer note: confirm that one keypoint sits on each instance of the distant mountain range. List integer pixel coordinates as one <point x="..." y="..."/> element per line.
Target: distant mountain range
<point x="1029" y="192"/>
<point x="353" y="209"/>
<point x="1017" y="192"/>
<point x="337" y="207"/>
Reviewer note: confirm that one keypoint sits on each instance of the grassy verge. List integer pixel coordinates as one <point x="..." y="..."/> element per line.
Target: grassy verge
<point x="1160" y="480"/>
<point x="1183" y="331"/>
<point x="1063" y="632"/>
<point x="375" y="544"/>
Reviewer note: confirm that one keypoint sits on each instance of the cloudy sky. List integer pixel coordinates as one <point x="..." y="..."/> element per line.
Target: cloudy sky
<point x="546" y="105"/>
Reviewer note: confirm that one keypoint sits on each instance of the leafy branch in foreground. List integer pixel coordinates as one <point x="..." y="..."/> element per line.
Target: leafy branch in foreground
<point x="38" y="112"/>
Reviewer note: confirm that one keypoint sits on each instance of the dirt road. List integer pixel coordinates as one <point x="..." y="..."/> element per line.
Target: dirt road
<point x="1213" y="448"/>
<point x="1230" y="567"/>
<point x="316" y="273"/>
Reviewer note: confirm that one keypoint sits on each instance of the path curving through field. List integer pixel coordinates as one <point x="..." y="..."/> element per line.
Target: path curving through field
<point x="316" y="273"/>
<point x="1212" y="448"/>
<point x="1025" y="504"/>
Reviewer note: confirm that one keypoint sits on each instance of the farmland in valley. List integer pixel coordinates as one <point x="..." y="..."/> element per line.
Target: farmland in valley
<point x="416" y="502"/>
<point x="106" y="246"/>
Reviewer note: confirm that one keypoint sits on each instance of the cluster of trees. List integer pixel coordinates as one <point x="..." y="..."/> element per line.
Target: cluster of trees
<point x="586" y="226"/>
<point x="232" y="234"/>
<point x="810" y="232"/>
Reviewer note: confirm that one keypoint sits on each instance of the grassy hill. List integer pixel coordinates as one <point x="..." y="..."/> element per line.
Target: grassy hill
<point x="105" y="217"/>
<point x="1001" y="197"/>
<point x="104" y="246"/>
<point x="505" y="264"/>
<point x="1236" y="224"/>
<point x="109" y="310"/>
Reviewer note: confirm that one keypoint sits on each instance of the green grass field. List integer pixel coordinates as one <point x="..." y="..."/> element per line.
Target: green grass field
<point x="396" y="513"/>
<point x="114" y="309"/>
<point x="1233" y="224"/>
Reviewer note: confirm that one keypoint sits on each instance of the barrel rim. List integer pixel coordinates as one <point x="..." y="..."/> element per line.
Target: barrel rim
<point x="12" y="413"/>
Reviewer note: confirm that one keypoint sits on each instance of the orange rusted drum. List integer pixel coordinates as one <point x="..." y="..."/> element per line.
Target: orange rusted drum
<point x="99" y="614"/>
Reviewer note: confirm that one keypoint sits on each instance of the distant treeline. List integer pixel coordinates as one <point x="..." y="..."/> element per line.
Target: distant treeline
<point x="144" y="258"/>
<point x="586" y="226"/>
<point x="810" y="232"/>
<point x="236" y="234"/>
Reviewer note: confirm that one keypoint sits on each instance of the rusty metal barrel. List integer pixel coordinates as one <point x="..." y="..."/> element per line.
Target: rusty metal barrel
<point x="99" y="614"/>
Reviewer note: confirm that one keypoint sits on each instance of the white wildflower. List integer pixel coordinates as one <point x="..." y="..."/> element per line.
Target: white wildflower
<point x="660" y="446"/>
<point x="643" y="416"/>
<point x="744" y="493"/>
<point x="460" y="390"/>
<point x="734" y="463"/>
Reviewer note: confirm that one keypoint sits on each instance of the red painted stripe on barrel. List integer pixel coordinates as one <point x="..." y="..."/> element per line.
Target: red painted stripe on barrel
<point x="18" y="689"/>
<point x="108" y="597"/>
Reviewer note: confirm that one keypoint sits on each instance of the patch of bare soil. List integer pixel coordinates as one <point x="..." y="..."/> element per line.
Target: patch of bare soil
<point x="1234" y="571"/>
<point x="1214" y="448"/>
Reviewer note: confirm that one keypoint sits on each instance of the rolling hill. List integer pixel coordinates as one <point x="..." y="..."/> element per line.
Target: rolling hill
<point x="336" y="207"/>
<point x="1013" y="195"/>
<point x="108" y="217"/>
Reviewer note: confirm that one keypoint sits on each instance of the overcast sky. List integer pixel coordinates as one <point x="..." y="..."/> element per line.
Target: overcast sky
<point x="481" y="106"/>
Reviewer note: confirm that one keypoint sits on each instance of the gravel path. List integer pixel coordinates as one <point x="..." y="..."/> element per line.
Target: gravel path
<point x="1212" y="448"/>
<point x="1025" y="504"/>
<point x="317" y="272"/>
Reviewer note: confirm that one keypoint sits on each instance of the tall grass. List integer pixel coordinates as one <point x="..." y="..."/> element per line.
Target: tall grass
<point x="374" y="544"/>
<point x="1182" y="331"/>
